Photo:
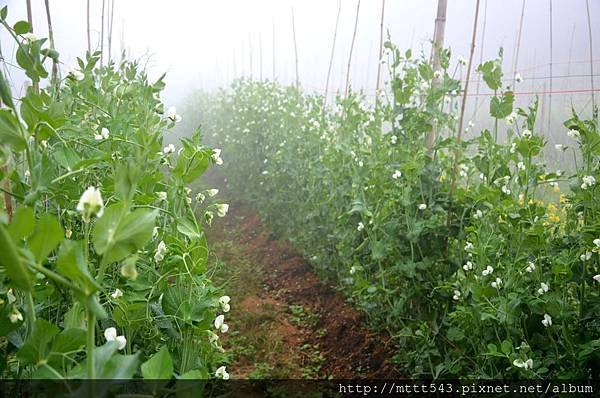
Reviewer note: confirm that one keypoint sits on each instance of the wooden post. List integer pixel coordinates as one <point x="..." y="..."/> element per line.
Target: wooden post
<point x="273" y="37"/>
<point x="54" y="75"/>
<point x="551" y="72"/>
<point x="351" y="49"/>
<point x="589" y="20"/>
<point x="102" y="34"/>
<point x="337" y="20"/>
<point x="295" y="48"/>
<point x="518" y="44"/>
<point x="480" y="58"/>
<point x="462" y="114"/>
<point x="380" y="58"/>
<point x="89" y="41"/>
<point x="110" y="28"/>
<point x="260" y="54"/>
<point x="438" y="43"/>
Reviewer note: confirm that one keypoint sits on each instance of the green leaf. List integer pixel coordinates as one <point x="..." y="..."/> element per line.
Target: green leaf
<point x="21" y="27"/>
<point x="127" y="176"/>
<point x="159" y="366"/>
<point x="455" y="334"/>
<point x="119" y="233"/>
<point x="47" y="236"/>
<point x="506" y="347"/>
<point x="188" y="228"/>
<point x="5" y="93"/>
<point x="192" y="162"/>
<point x="71" y="263"/>
<point x="23" y="223"/>
<point x="35" y="348"/>
<point x="501" y="107"/>
<point x="10" y="260"/>
<point x="69" y="340"/>
<point x="10" y="132"/>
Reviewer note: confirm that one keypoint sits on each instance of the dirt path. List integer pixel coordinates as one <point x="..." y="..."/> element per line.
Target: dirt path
<point x="285" y="322"/>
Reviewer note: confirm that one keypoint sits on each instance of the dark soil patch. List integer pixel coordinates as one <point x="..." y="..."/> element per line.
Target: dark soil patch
<point x="339" y="343"/>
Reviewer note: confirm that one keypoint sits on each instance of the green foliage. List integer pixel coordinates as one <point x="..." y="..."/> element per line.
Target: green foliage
<point x="102" y="228"/>
<point x="476" y="268"/>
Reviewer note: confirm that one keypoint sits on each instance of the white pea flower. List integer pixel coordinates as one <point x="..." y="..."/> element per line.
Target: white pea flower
<point x="456" y="296"/>
<point x="547" y="321"/>
<point x="478" y="214"/>
<point x="110" y="334"/>
<point x="360" y="226"/>
<point x="526" y="133"/>
<point x="596" y="278"/>
<point x="497" y="283"/>
<point x="172" y="114"/>
<point x="422" y="206"/>
<point x="530" y="267"/>
<point x="488" y="270"/>
<point x="513" y="147"/>
<point x="224" y="302"/>
<point x="397" y="174"/>
<point x="168" y="149"/>
<point x="116" y="294"/>
<point x="510" y="119"/>
<point x="103" y="135"/>
<point x="597" y="243"/>
<point x="221" y="373"/>
<point x="90" y="203"/>
<point x="586" y="256"/>
<point x="161" y="249"/>
<point x="521" y="166"/>
<point x="220" y="324"/>
<point x="360" y="163"/>
<point x="528" y="364"/>
<point x="588" y="181"/>
<point x="505" y="190"/>
<point x="437" y="74"/>
<point x="468" y="246"/>
<point x="222" y="209"/>
<point x="68" y="233"/>
<point x="393" y="139"/>
<point x="29" y="36"/>
<point x="468" y="266"/>
<point x="560" y="147"/>
<point x="161" y="195"/>
<point x="77" y="74"/>
<point x="574" y="133"/>
<point x="211" y="192"/>
<point x="544" y="287"/>
<point x="352" y="270"/>
<point x="518" y="78"/>
<point x="216" y="156"/>
<point x="155" y="232"/>
<point x="15" y="316"/>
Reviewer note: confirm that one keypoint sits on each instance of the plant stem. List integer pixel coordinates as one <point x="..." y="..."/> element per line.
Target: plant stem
<point x="30" y="312"/>
<point x="91" y="345"/>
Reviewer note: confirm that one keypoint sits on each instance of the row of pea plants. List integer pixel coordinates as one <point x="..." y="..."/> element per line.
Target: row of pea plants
<point x="103" y="263"/>
<point x="468" y="254"/>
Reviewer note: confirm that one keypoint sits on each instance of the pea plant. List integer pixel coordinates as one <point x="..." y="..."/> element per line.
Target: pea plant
<point x="477" y="258"/>
<point x="103" y="266"/>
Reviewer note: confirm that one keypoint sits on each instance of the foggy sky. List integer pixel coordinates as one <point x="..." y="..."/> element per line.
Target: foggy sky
<point x="204" y="44"/>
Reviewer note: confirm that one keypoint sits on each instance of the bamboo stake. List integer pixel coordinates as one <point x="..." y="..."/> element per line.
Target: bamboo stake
<point x="260" y="56"/>
<point x="110" y="28"/>
<point x="102" y="34"/>
<point x="54" y="75"/>
<point x="351" y="49"/>
<point x="273" y="37"/>
<point x="295" y="47"/>
<point x="518" y="45"/>
<point x="551" y="74"/>
<point x="380" y="58"/>
<point x="438" y="43"/>
<point x="589" y="20"/>
<point x="35" y="84"/>
<point x="571" y="56"/>
<point x="480" y="57"/>
<point x="89" y="41"/>
<point x="462" y="113"/>
<point x="250" y="54"/>
<point x="337" y="20"/>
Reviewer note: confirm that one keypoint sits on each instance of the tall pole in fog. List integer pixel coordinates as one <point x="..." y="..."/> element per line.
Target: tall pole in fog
<point x="380" y="57"/>
<point x="295" y="48"/>
<point x="589" y="20"/>
<point x="89" y="41"/>
<point x="518" y="44"/>
<point x="351" y="49"/>
<point x="438" y="43"/>
<point x="337" y="20"/>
